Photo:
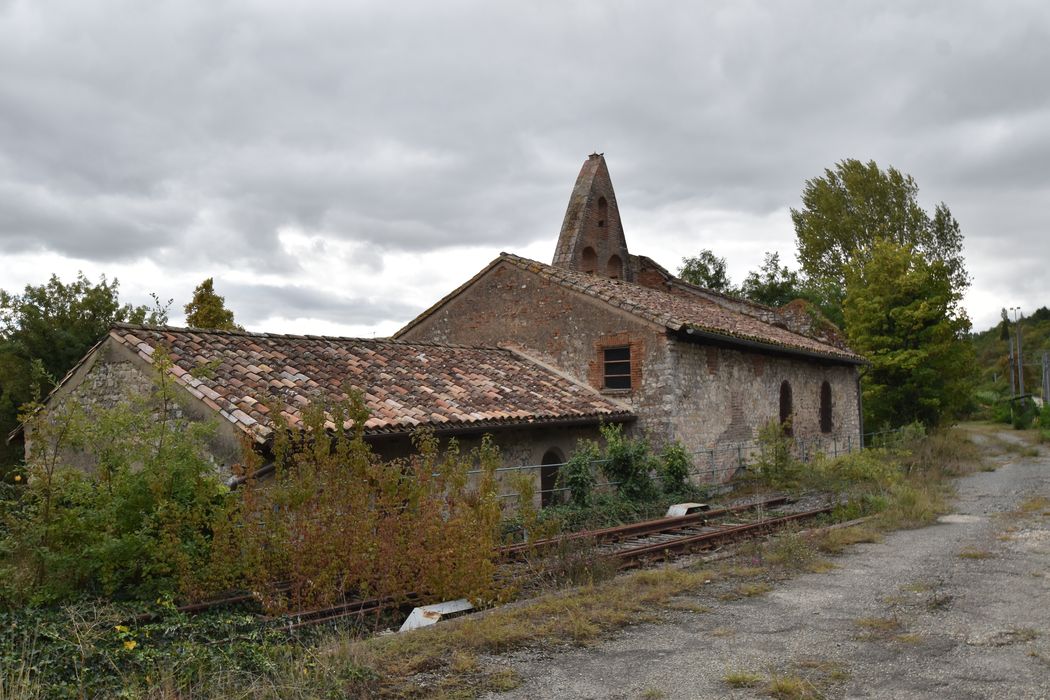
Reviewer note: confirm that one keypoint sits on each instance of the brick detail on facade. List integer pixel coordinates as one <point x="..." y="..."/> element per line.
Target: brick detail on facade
<point x="596" y="368"/>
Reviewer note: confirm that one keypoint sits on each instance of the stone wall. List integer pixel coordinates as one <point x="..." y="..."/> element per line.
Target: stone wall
<point x="711" y="398"/>
<point x="725" y="396"/>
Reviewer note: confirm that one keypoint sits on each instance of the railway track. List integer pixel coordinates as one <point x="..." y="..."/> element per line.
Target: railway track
<point x="630" y="545"/>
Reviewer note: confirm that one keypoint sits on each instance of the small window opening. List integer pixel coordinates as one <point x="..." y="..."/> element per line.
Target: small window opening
<point x="603" y="209"/>
<point x="617" y="374"/>
<point x="549" y="493"/>
<point x="589" y="260"/>
<point x="614" y="268"/>
<point x="825" y="408"/>
<point x="785" y="407"/>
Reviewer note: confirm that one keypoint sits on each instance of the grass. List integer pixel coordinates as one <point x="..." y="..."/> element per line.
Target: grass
<point x="742" y="679"/>
<point x="578" y="616"/>
<point x="877" y="627"/>
<point x="653" y="694"/>
<point x="792" y="687"/>
<point x="973" y="553"/>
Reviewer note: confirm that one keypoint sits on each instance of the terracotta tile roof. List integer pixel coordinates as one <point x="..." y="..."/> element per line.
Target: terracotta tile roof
<point x="405" y="385"/>
<point x="677" y="312"/>
<point x="680" y="312"/>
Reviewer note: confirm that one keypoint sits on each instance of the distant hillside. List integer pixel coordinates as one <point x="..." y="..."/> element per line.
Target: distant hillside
<point x="992" y="351"/>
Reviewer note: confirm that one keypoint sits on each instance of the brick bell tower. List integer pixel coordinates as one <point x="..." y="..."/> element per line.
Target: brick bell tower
<point x="591" y="238"/>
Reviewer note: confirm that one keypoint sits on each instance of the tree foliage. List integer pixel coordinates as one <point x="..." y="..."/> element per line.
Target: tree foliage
<point x="54" y="324"/>
<point x="706" y="270"/>
<point x="855" y="205"/>
<point x="772" y="284"/>
<point x="903" y="313"/>
<point x="208" y="310"/>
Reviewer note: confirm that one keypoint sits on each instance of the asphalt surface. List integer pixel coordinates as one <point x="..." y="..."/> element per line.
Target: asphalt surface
<point x="960" y="609"/>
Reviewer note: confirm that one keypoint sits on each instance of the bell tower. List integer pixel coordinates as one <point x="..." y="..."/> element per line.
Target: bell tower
<point x="591" y="238"/>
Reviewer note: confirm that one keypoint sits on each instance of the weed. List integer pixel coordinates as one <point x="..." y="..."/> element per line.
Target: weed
<point x="722" y="632"/>
<point x="792" y="687"/>
<point x="742" y="679"/>
<point x="653" y="694"/>
<point x="972" y="553"/>
<point x="834" y="541"/>
<point x="833" y="671"/>
<point x="877" y="627"/>
<point x="908" y="638"/>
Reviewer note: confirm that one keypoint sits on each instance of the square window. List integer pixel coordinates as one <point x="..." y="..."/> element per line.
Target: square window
<point x="617" y="368"/>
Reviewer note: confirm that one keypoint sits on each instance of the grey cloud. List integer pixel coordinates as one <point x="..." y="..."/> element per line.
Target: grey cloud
<point x="252" y="303"/>
<point x="198" y="131"/>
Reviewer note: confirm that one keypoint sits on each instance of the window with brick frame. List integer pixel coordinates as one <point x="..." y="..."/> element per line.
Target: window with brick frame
<point x="616" y="367"/>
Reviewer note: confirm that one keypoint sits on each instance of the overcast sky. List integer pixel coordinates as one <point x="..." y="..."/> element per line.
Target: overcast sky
<point x="339" y="166"/>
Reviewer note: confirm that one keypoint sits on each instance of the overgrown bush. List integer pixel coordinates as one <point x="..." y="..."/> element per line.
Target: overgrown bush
<point x="675" y="465"/>
<point x="1025" y="413"/>
<point x="775" y="465"/>
<point x="578" y="473"/>
<point x="136" y="525"/>
<point x="1044" y="416"/>
<point x="628" y="463"/>
<point x="336" y="519"/>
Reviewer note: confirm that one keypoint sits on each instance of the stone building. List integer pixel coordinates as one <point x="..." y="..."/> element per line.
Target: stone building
<point x="537" y="355"/>
<point x="694" y="365"/>
<point x="535" y="414"/>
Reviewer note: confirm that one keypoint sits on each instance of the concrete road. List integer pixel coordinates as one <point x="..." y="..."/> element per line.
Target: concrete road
<point x="960" y="609"/>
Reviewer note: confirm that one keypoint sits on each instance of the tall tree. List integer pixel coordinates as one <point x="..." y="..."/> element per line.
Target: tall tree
<point x="208" y="310"/>
<point x="903" y="313"/>
<point x="772" y="284"/>
<point x="851" y="207"/>
<point x="51" y="326"/>
<point x="706" y="270"/>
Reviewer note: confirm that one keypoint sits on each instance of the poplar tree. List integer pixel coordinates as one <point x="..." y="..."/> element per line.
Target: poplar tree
<point x="904" y="314"/>
<point x="208" y="310"/>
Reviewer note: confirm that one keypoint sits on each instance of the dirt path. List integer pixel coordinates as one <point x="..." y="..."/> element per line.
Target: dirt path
<point x="957" y="610"/>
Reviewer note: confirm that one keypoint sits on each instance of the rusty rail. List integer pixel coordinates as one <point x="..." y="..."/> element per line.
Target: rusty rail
<point x="655" y="551"/>
<point x="647" y="527"/>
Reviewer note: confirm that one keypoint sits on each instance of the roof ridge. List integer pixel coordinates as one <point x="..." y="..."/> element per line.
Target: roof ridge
<point x="295" y="336"/>
<point x="600" y="287"/>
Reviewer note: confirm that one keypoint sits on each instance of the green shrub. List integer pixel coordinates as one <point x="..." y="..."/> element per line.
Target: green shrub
<point x="675" y="465"/>
<point x="578" y="474"/>
<point x="629" y="463"/>
<point x="775" y="465"/>
<point x="1044" y="417"/>
<point x="137" y="525"/>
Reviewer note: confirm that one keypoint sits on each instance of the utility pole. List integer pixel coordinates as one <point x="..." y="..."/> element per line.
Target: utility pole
<point x="1046" y="377"/>
<point x="1020" y="354"/>
<point x="1013" y="385"/>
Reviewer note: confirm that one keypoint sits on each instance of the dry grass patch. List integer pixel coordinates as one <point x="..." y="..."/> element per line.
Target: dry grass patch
<point x="973" y="553"/>
<point x="877" y="627"/>
<point x="742" y="679"/>
<point x="1035" y="504"/>
<point x="578" y="616"/>
<point x="792" y="687"/>
<point x="835" y="541"/>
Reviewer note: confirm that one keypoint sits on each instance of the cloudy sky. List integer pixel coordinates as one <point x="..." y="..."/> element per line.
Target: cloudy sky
<point x="338" y="166"/>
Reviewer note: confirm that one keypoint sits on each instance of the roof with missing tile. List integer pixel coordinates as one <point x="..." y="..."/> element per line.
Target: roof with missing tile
<point x="677" y="312"/>
<point x="405" y="385"/>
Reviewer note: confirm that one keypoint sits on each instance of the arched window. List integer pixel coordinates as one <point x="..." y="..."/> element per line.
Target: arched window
<point x="614" y="268"/>
<point x="825" y="408"/>
<point x="589" y="260"/>
<point x="552" y="461"/>
<point x="785" y="406"/>
<point x="603" y="210"/>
